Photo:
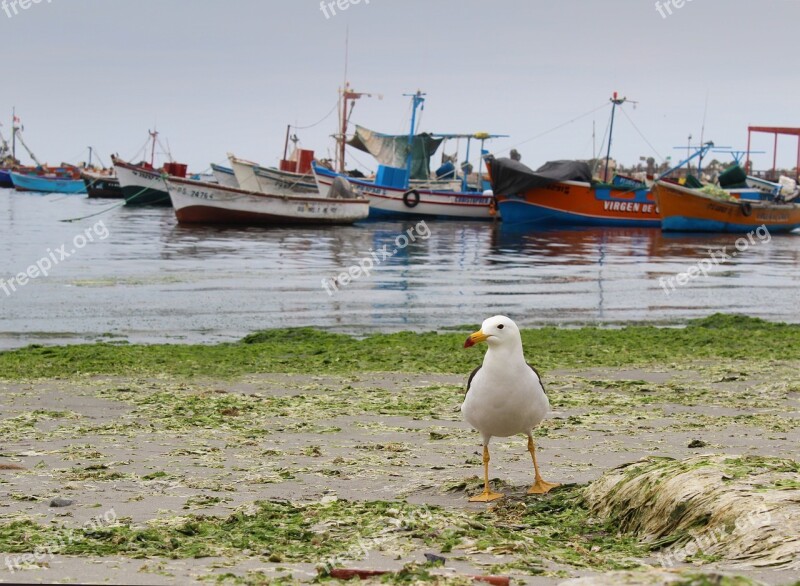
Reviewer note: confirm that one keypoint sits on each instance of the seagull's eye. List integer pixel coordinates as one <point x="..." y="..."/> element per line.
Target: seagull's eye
<point x="500" y="327"/>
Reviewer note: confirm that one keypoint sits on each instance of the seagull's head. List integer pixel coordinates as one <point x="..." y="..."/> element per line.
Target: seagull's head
<point x="497" y="331"/>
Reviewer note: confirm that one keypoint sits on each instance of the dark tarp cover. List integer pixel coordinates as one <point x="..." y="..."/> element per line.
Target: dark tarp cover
<point x="511" y="177"/>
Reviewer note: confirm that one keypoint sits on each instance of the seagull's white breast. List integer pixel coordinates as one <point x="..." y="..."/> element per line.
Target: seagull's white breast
<point x="505" y="398"/>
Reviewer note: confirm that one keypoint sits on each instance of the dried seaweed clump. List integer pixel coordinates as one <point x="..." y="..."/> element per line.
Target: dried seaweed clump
<point x="743" y="511"/>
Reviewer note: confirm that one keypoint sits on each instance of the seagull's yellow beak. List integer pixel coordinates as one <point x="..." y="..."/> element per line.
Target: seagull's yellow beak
<point x="475" y="338"/>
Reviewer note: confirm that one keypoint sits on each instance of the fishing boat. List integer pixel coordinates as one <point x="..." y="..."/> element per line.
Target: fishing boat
<point x="566" y="193"/>
<point x="687" y="209"/>
<point x="7" y="164"/>
<point x="101" y="184"/>
<point x="387" y="199"/>
<point x="197" y="202"/>
<point x="39" y="178"/>
<point x="8" y="156"/>
<point x="142" y="184"/>
<point x="65" y="180"/>
<point x="224" y="175"/>
<point x="253" y="177"/>
<point x="394" y="193"/>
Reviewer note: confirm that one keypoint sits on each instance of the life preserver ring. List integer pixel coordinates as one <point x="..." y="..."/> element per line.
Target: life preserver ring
<point x="747" y="209"/>
<point x="411" y="198"/>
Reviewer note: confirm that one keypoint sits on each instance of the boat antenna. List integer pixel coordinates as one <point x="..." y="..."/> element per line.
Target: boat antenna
<point x="346" y="52"/>
<point x="702" y="137"/>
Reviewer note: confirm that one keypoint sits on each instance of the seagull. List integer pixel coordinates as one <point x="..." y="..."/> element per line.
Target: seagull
<point x="505" y="396"/>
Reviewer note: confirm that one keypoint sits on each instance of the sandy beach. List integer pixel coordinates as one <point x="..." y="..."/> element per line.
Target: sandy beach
<point x="152" y="452"/>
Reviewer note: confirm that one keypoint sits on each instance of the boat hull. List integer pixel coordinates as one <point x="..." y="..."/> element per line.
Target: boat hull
<point x="687" y="210"/>
<point x="205" y="203"/>
<point x="41" y="184"/>
<point x="572" y="203"/>
<point x="393" y="202"/>
<point x="140" y="186"/>
<point x="102" y="186"/>
<point x="5" y="178"/>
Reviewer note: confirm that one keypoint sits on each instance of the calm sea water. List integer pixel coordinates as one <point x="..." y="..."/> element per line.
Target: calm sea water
<point x="151" y="280"/>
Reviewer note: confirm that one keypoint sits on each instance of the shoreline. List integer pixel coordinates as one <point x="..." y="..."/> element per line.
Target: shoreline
<point x="10" y="341"/>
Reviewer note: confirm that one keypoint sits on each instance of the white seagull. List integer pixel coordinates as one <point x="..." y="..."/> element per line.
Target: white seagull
<point x="505" y="396"/>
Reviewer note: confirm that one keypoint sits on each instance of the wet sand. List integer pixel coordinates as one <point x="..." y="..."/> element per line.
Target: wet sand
<point x="121" y="445"/>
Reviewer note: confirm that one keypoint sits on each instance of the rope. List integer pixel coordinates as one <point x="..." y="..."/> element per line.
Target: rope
<point x="112" y="207"/>
<point x="328" y="115"/>
<point x="644" y="138"/>
<point x="141" y="150"/>
<point x="562" y="125"/>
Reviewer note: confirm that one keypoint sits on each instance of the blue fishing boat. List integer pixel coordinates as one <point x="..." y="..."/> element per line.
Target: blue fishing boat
<point x="5" y="178"/>
<point x="49" y="182"/>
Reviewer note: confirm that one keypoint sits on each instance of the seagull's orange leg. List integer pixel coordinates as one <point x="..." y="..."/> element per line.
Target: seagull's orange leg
<point x="539" y="485"/>
<point x="487" y="495"/>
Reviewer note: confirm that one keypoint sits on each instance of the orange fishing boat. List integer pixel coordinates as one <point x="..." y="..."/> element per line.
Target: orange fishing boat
<point x="566" y="193"/>
<point x="684" y="209"/>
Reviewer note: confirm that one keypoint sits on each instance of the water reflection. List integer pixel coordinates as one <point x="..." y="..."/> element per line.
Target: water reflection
<point x="153" y="280"/>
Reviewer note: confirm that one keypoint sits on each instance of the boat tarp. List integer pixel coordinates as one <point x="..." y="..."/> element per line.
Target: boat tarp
<point x="511" y="177"/>
<point x="392" y="150"/>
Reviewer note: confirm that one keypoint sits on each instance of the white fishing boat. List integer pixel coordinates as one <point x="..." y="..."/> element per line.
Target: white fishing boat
<point x="197" y="202"/>
<point x="253" y="177"/>
<point x="224" y="175"/>
<point x="142" y="183"/>
<point x="396" y="201"/>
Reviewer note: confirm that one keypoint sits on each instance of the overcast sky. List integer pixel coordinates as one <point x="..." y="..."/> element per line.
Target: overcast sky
<point x="229" y="76"/>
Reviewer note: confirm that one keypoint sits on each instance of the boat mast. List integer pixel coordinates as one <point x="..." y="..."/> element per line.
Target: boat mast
<point x="154" y="137"/>
<point x="32" y="156"/>
<point x="615" y="101"/>
<point x="418" y="101"/>
<point x="348" y="97"/>
<point x="286" y="142"/>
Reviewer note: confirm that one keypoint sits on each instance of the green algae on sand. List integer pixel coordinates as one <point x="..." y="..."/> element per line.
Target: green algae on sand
<point x="306" y="350"/>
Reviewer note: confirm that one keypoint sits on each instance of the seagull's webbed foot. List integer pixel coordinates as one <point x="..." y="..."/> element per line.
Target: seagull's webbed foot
<point x="487" y="496"/>
<point x="542" y="487"/>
